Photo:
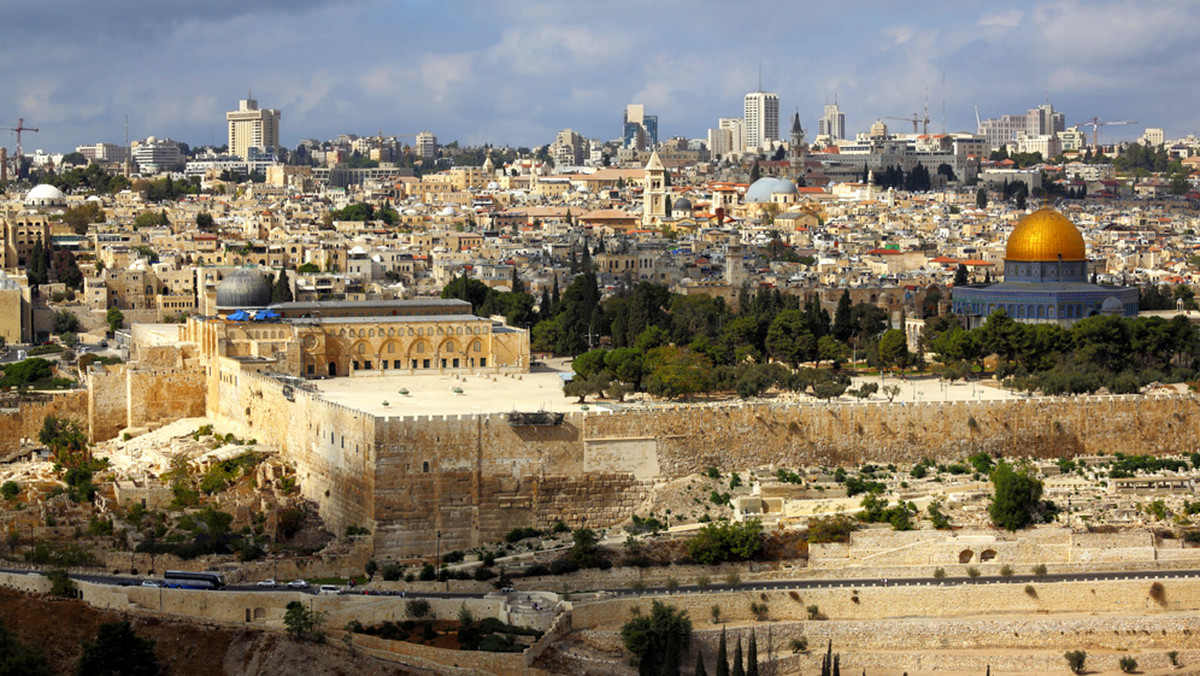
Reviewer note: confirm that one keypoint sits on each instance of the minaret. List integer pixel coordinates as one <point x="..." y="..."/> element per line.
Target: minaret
<point x="654" y="192"/>
<point x="797" y="149"/>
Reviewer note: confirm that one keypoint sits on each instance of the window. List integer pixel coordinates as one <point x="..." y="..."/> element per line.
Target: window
<point x="362" y="348"/>
<point x="482" y="362"/>
<point x="367" y="365"/>
<point x="414" y="363"/>
<point x="455" y="363"/>
<point x="424" y="363"/>
<point x="354" y="365"/>
<point x="391" y="348"/>
<point x="425" y="467"/>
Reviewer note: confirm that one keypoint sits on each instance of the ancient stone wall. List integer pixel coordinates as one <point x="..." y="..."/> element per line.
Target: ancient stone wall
<point x="474" y="478"/>
<point x="107" y="403"/>
<point x="157" y="397"/>
<point x="24" y="421"/>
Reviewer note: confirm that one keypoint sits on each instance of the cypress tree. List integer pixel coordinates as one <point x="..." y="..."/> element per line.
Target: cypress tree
<point x="281" y="291"/>
<point x="752" y="656"/>
<point x="738" y="668"/>
<point x="722" y="656"/>
<point x="837" y="665"/>
<point x="700" y="670"/>
<point x="843" y="318"/>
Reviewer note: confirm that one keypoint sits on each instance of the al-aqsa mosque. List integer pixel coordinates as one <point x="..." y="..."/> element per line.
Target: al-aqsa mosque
<point x="1045" y="279"/>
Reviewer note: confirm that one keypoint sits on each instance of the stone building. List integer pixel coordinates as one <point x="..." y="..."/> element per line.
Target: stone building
<point x="351" y="338"/>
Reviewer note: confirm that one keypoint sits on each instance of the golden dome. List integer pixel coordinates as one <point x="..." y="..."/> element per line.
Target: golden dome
<point x="1045" y="235"/>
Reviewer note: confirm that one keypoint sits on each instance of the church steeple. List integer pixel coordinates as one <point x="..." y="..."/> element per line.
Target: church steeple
<point x="797" y="149"/>
<point x="654" y="192"/>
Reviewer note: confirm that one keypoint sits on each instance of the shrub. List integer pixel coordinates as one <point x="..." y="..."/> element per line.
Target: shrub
<point x="814" y="612"/>
<point x="392" y="572"/>
<point x="725" y="541"/>
<point x="1006" y="571"/>
<point x="1128" y="664"/>
<point x="830" y="529"/>
<point x="715" y="611"/>
<point x="733" y="579"/>
<point x="1173" y="655"/>
<point x="1158" y="593"/>
<point x="972" y="571"/>
<point x="1075" y="660"/>
<point x="10" y="490"/>
<point x="1030" y="590"/>
<point x="417" y="608"/>
<point x="1039" y="570"/>
<point x="799" y="645"/>
<point x="60" y="583"/>
<point x="759" y="610"/>
<point x="427" y="573"/>
<point x="484" y="574"/>
<point x="939" y="573"/>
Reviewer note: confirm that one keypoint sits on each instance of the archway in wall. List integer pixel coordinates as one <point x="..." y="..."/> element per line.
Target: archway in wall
<point x="965" y="556"/>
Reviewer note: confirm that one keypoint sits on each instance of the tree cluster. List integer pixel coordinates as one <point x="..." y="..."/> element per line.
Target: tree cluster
<point x="1121" y="354"/>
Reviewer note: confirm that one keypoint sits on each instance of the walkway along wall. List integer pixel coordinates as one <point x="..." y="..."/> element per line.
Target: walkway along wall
<point x="472" y="478"/>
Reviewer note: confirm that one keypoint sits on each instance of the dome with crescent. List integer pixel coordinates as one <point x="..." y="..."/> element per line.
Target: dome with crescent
<point x="1045" y="235"/>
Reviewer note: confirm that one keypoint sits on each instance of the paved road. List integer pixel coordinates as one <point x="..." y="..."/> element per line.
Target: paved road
<point x="771" y="585"/>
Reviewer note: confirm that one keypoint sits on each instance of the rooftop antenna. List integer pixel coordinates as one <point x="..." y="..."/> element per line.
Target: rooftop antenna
<point x="760" y="76"/>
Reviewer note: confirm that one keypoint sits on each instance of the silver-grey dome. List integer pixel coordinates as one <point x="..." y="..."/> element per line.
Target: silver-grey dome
<point x="762" y="189"/>
<point x="243" y="289"/>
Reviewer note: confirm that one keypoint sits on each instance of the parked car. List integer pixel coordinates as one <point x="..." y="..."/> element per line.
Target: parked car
<point x="298" y="584"/>
<point x="151" y="583"/>
<point x="329" y="589"/>
<point x="268" y="583"/>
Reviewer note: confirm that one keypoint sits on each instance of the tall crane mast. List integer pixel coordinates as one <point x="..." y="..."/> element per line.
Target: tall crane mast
<point x="18" y="129"/>
<point x="915" y="119"/>
<point x="1095" y="123"/>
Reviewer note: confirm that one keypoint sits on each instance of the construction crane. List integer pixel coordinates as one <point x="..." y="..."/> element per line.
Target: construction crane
<point x="18" y="129"/>
<point x="915" y="119"/>
<point x="1095" y="123"/>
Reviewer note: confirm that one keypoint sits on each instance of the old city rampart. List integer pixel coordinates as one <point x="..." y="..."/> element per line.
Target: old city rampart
<point x="472" y="478"/>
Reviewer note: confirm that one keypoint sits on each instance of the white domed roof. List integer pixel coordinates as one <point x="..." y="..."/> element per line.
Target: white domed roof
<point x="139" y="265"/>
<point x="45" y="195"/>
<point x="493" y="186"/>
<point x="448" y="211"/>
<point x="762" y="189"/>
<point x="93" y="198"/>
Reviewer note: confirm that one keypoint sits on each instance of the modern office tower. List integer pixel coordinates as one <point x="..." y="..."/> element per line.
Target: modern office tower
<point x="761" y="115"/>
<point x="155" y="155"/>
<point x="639" y="131"/>
<point x="426" y="145"/>
<point x="252" y="127"/>
<point x="736" y="127"/>
<point x="832" y="123"/>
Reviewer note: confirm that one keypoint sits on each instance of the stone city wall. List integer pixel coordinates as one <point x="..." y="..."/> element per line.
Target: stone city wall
<point x="157" y="397"/>
<point x="999" y="598"/>
<point x="107" y="402"/>
<point x="25" y="420"/>
<point x="472" y="478"/>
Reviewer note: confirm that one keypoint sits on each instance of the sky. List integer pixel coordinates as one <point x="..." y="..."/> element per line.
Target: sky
<point x="515" y="73"/>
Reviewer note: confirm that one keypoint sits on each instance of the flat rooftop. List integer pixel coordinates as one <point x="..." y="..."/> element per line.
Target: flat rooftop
<point x="541" y="390"/>
<point x="433" y="394"/>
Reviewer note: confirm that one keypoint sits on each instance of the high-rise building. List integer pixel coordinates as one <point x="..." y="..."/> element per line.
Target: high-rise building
<point x="761" y="115"/>
<point x="426" y="145"/>
<point x="154" y="155"/>
<point x="252" y="127"/>
<point x="639" y="131"/>
<point x="1040" y="121"/>
<point x="568" y="148"/>
<point x="832" y="123"/>
<point x="104" y="152"/>
<point x="1154" y="136"/>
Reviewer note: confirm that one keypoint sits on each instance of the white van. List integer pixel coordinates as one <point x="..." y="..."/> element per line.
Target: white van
<point x="329" y="589"/>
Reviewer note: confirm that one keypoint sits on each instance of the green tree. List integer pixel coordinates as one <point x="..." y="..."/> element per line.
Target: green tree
<point x="65" y="321"/>
<point x="66" y="269"/>
<point x="726" y="541"/>
<point x="893" y="349"/>
<point x="115" y="319"/>
<point x="960" y="275"/>
<point x="308" y="269"/>
<point x="843" y="318"/>
<point x="1075" y="660"/>
<point x="658" y="641"/>
<point x="204" y="221"/>
<point x="752" y="655"/>
<point x="281" y="292"/>
<point x="1015" y="498"/>
<point x="981" y="199"/>
<point x="117" y="651"/>
<point x="301" y="622"/>
<point x="722" y="652"/>
<point x="80" y="217"/>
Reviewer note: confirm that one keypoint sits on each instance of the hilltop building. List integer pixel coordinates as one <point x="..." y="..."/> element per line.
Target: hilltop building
<point x="252" y="127"/>
<point x="1045" y="279"/>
